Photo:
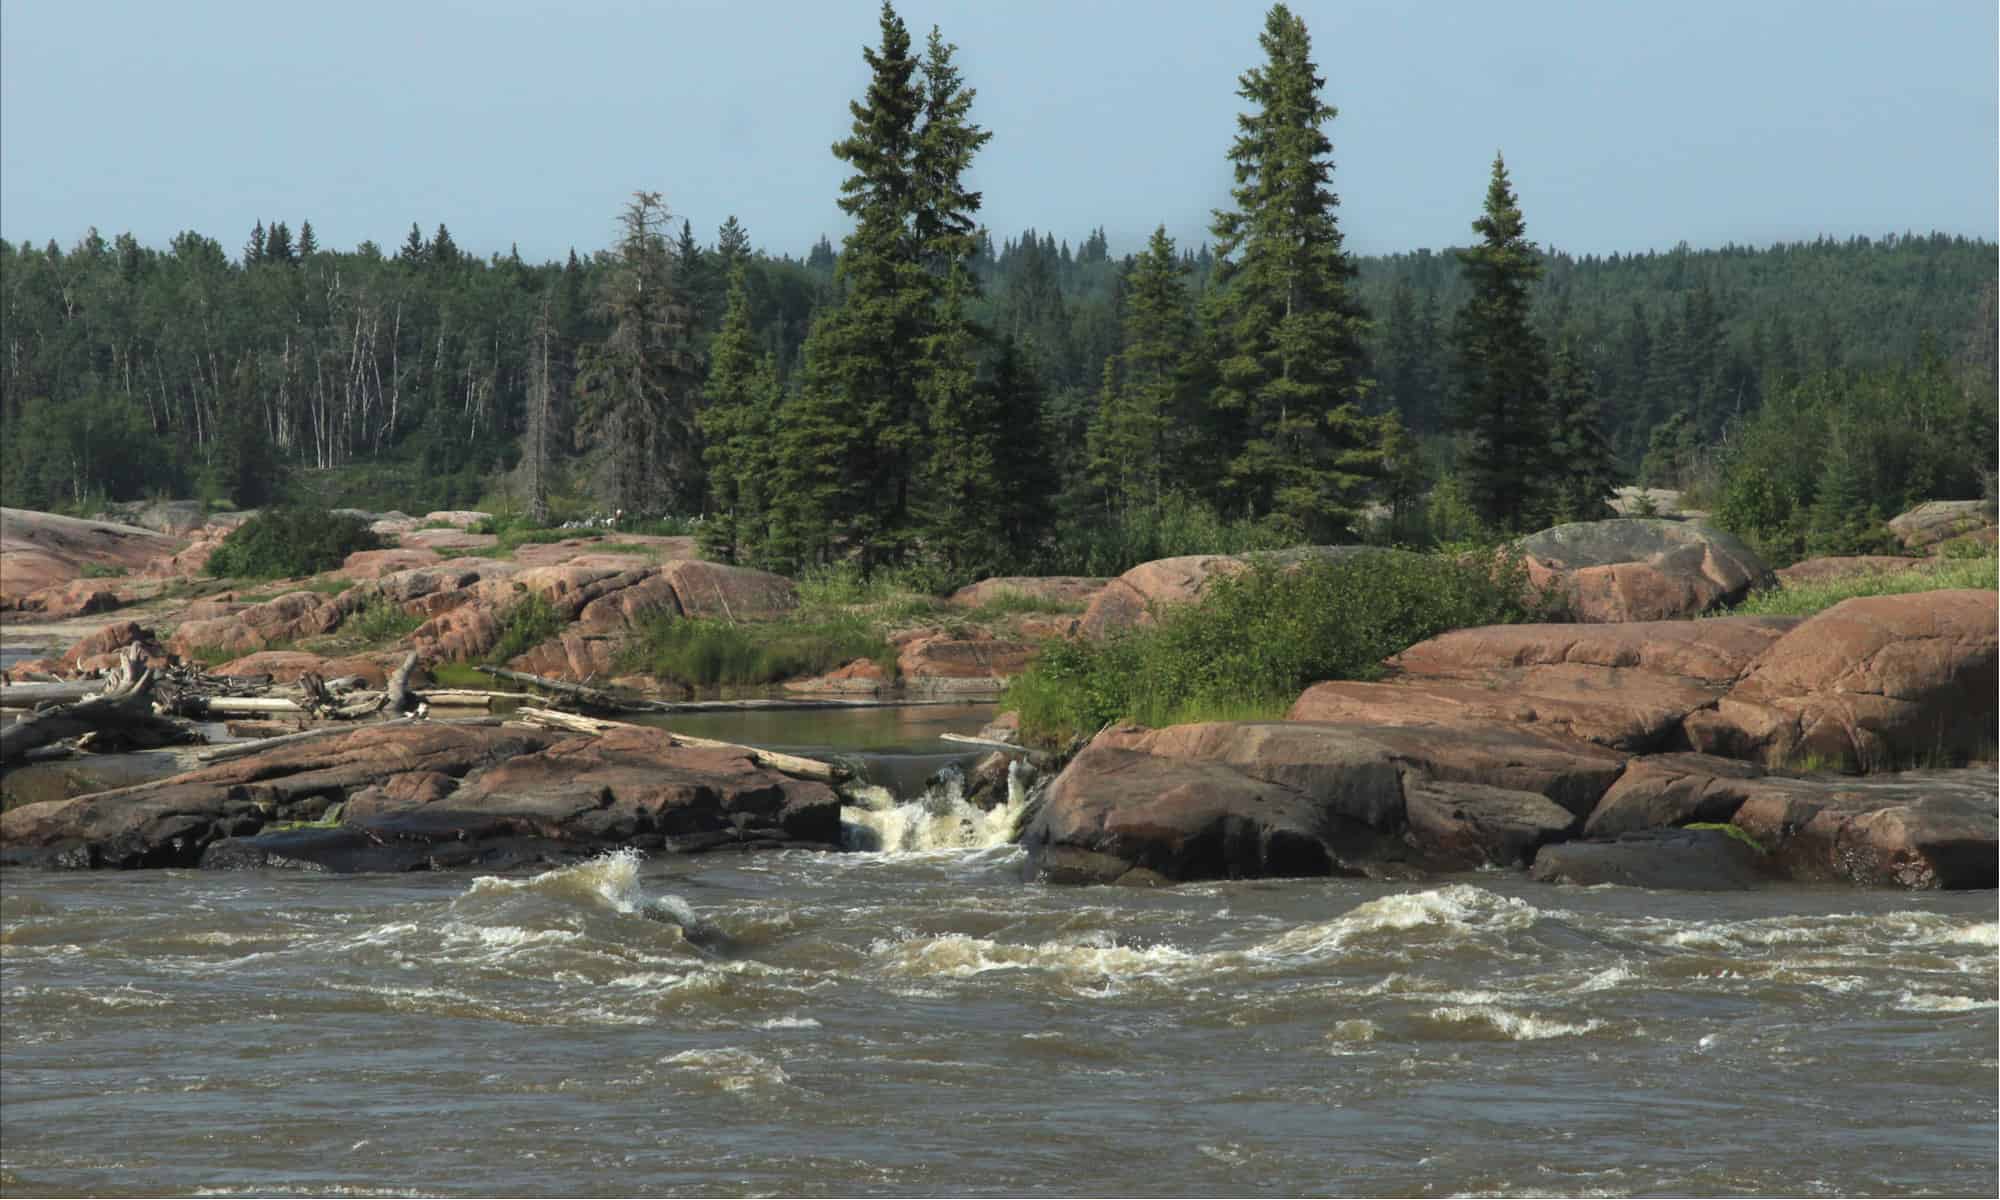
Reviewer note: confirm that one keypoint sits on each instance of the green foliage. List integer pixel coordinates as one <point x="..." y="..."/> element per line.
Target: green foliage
<point x="380" y="622"/>
<point x="1805" y="599"/>
<point x="325" y="587"/>
<point x="1257" y="638"/>
<point x="1289" y="350"/>
<point x="1101" y="544"/>
<point x="1732" y="830"/>
<point x="524" y="625"/>
<point x="1010" y="603"/>
<point x="459" y="675"/>
<point x="104" y="571"/>
<point x="706" y="653"/>
<point x="285" y="543"/>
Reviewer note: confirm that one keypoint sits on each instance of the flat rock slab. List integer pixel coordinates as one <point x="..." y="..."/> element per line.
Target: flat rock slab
<point x="431" y="795"/>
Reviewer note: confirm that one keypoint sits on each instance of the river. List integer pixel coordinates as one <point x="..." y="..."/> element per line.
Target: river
<point x="922" y="1022"/>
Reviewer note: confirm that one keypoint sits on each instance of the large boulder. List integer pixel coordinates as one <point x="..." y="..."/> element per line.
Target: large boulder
<point x="286" y="618"/>
<point x="1919" y="829"/>
<point x="67" y="601"/>
<point x="1873" y="682"/>
<point x="939" y="663"/>
<point x="100" y="651"/>
<point x="717" y="590"/>
<point x="1046" y="589"/>
<point x="1663" y="791"/>
<point x="1695" y="860"/>
<point x="1718" y="650"/>
<point x="1641" y="569"/>
<point x="432" y="795"/>
<point x="1282" y="797"/>
<point x="1130" y="601"/>
<point x="39" y="550"/>
<point x="1938" y="521"/>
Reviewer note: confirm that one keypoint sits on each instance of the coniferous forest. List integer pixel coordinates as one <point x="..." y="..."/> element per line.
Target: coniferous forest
<point x="932" y="395"/>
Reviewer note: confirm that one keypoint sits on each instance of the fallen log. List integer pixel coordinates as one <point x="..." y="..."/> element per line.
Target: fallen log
<point x="989" y="743"/>
<point x="225" y="706"/>
<point x="788" y="764"/>
<point x="122" y="712"/>
<point x="28" y="695"/>
<point x="587" y="697"/>
<point x="470" y="696"/>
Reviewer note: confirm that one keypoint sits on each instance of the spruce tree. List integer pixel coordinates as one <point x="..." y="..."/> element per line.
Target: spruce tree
<point x="732" y="245"/>
<point x="728" y="427"/>
<point x="1140" y="425"/>
<point x="278" y="244"/>
<point x="958" y="497"/>
<point x="253" y="250"/>
<point x="1585" y="471"/>
<point x="1292" y="372"/>
<point x="443" y="251"/>
<point x="1502" y="389"/>
<point x="308" y="244"/>
<point x="415" y="250"/>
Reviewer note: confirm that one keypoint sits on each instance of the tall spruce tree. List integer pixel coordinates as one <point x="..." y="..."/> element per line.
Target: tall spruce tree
<point x="1136" y="436"/>
<point x="1502" y="402"/>
<point x="1585" y="467"/>
<point x="854" y="436"/>
<point x="1292" y="372"/>
<point x="636" y="384"/>
<point x="730" y="429"/>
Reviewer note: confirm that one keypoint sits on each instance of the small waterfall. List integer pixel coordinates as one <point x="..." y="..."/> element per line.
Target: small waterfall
<point x="940" y="818"/>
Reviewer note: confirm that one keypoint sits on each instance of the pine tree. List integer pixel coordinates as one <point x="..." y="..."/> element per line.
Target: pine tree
<point x="1293" y="369"/>
<point x="1139" y="442"/>
<point x="1585" y="468"/>
<point x="728" y="426"/>
<point x="415" y="250"/>
<point x="253" y="250"/>
<point x="958" y="499"/>
<point x="636" y="384"/>
<point x="278" y="244"/>
<point x="732" y="245"/>
<point x="1502" y="387"/>
<point x="443" y="251"/>
<point x="308" y="244"/>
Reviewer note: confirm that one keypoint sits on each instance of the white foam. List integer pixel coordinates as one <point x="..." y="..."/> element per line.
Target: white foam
<point x="1519" y="1027"/>
<point x="940" y="819"/>
<point x="790" y="1023"/>
<point x="730" y="1068"/>
<point x="1460" y="908"/>
<point x="1090" y="962"/>
<point x="1932" y="1002"/>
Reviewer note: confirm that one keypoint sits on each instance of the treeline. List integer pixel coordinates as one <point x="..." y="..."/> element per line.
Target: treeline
<point x="927" y="393"/>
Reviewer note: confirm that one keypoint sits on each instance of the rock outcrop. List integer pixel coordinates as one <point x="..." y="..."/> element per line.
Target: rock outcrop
<point x="1641" y="569"/>
<point x="1936" y="522"/>
<point x="1874" y="682"/>
<point x="1047" y="589"/>
<point x="40" y="550"/>
<point x="284" y="619"/>
<point x="431" y="795"/>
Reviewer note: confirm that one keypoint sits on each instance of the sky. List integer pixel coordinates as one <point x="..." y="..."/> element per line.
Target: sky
<point x="1626" y="126"/>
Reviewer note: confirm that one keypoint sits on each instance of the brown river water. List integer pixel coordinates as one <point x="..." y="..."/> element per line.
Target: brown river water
<point x="920" y="1021"/>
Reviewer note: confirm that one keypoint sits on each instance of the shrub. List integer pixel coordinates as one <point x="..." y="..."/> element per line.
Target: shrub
<point x="707" y="653"/>
<point x="289" y="542"/>
<point x="1097" y="544"/>
<point x="1259" y="637"/>
<point x="1805" y="599"/>
<point x="526" y="624"/>
<point x="380" y="621"/>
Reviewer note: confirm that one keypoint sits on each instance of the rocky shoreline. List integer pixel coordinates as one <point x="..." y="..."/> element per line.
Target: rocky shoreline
<point x="1634" y="745"/>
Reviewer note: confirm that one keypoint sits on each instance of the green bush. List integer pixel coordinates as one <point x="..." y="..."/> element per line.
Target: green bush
<point x="1805" y="599"/>
<point x="1256" y="639"/>
<point x="526" y="624"/>
<point x="708" y="653"/>
<point x="284" y="543"/>
<point x="380" y="621"/>
<point x="1111" y="544"/>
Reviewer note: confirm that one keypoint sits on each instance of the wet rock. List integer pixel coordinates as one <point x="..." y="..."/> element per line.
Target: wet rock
<point x="40" y="550"/>
<point x="1704" y="860"/>
<point x="1874" y="682"/>
<point x="1667" y="790"/>
<point x="431" y="795"/>
<point x="1471" y="824"/>
<point x="863" y="676"/>
<point x="1937" y="521"/>
<point x="1640" y="569"/>
<point x="1917" y="829"/>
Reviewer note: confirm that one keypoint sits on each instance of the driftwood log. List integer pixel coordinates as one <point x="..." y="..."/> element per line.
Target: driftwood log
<point x="787" y="764"/>
<point x="121" y="713"/>
<point x="582" y="695"/>
<point x="29" y="695"/>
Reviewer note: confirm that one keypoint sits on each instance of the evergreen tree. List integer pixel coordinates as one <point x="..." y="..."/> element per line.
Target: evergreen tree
<point x="535" y="438"/>
<point x="729" y="427"/>
<point x="1137" y="437"/>
<point x="958" y="498"/>
<point x="443" y="251"/>
<point x="1502" y="390"/>
<point x="635" y="385"/>
<point x="308" y="244"/>
<point x="415" y="250"/>
<point x="732" y="246"/>
<point x="253" y="250"/>
<point x="278" y="244"/>
<point x="1292" y="373"/>
<point x="1586" y="468"/>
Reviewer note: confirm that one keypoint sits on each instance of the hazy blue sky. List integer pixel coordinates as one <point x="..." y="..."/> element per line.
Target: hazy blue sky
<point x="1626" y="125"/>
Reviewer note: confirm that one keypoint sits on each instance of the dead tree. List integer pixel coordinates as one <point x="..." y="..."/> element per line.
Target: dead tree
<point x="121" y="714"/>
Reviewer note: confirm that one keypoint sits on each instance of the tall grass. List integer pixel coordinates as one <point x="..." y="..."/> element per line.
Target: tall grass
<point x="1805" y="599"/>
<point x="380" y="622"/>
<point x="1257" y="638"/>
<point x="709" y="653"/>
<point x="526" y="624"/>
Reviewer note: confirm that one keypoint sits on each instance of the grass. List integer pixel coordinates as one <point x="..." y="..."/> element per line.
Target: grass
<point x="461" y="675"/>
<point x="1258" y="638"/>
<point x="708" y="653"/>
<point x="1805" y="599"/>
<point x="104" y="571"/>
<point x="380" y="622"/>
<point x="325" y="586"/>
<point x="1011" y="603"/>
<point x="528" y="623"/>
